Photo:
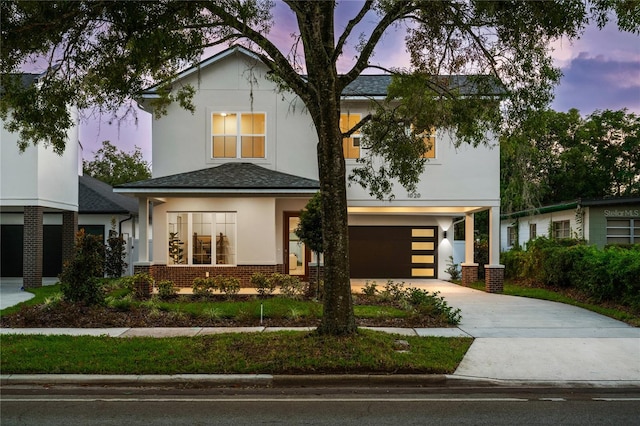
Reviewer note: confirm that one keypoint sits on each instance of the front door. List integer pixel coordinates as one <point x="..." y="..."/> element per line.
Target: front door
<point x="296" y="253"/>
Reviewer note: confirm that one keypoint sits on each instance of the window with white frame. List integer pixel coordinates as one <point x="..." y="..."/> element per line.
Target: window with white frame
<point x="533" y="231"/>
<point x="238" y="135"/>
<point x="512" y="235"/>
<point x="623" y="231"/>
<point x="202" y="238"/>
<point x="561" y="229"/>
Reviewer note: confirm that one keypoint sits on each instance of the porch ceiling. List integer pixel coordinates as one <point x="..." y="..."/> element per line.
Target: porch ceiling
<point x="417" y="210"/>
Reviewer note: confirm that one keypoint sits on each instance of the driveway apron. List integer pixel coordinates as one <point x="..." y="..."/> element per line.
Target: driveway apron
<point x="522" y="339"/>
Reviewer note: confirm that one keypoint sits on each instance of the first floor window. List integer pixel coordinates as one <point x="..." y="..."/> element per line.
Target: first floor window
<point x="623" y="231"/>
<point x="533" y="231"/>
<point x="561" y="229"/>
<point x="202" y="238"/>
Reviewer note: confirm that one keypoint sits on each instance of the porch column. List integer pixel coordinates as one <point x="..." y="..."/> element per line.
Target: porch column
<point x="32" y="247"/>
<point x="469" y="267"/>
<point x="494" y="272"/>
<point x="143" y="240"/>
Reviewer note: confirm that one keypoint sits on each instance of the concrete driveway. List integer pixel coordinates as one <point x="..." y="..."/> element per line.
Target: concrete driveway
<point x="521" y="339"/>
<point x="11" y="292"/>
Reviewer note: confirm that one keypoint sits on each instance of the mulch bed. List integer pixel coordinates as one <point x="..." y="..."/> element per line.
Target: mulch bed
<point x="69" y="315"/>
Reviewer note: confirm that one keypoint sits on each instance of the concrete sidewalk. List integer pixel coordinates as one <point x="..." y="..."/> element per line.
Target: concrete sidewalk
<point x="517" y="340"/>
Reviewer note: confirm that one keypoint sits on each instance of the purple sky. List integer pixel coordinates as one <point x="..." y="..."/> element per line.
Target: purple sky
<point x="601" y="71"/>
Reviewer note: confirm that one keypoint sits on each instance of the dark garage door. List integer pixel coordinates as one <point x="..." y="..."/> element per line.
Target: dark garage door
<point x="393" y="251"/>
<point x="11" y="237"/>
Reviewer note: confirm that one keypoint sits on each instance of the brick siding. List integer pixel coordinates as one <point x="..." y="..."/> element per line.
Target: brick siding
<point x="32" y="247"/>
<point x="469" y="274"/>
<point x="494" y="279"/>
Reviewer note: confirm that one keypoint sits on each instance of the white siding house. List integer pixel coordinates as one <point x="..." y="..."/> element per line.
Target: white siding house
<point x="230" y="180"/>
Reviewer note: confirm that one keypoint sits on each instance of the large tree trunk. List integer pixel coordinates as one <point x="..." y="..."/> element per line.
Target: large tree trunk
<point x="338" y="317"/>
<point x="323" y="102"/>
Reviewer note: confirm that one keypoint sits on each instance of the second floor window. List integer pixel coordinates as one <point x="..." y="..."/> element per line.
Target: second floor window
<point x="351" y="145"/>
<point x="238" y="135"/>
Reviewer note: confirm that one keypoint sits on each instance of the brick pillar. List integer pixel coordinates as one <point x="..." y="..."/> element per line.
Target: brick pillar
<point x="494" y="278"/>
<point x="32" y="247"/>
<point x="469" y="273"/>
<point x="69" y="230"/>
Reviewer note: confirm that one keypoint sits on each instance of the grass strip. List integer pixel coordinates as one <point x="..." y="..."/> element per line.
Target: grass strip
<point x="287" y="352"/>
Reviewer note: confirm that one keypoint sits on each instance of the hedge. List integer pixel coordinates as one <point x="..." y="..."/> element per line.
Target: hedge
<point x="612" y="273"/>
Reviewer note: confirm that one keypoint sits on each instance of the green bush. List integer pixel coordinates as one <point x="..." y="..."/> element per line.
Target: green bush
<point x="166" y="289"/>
<point x="263" y="284"/>
<point x="80" y="280"/>
<point x="230" y="286"/>
<point x="204" y="287"/>
<point x="609" y="274"/>
<point x="290" y="286"/>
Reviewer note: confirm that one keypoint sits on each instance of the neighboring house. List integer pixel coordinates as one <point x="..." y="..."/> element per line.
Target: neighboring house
<point x="37" y="187"/>
<point x="98" y="205"/>
<point x="230" y="180"/>
<point x="600" y="222"/>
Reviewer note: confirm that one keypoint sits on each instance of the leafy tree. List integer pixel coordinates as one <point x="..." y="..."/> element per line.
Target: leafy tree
<point x="80" y="277"/>
<point x="105" y="52"/>
<point x="309" y="230"/>
<point x="558" y="156"/>
<point x="116" y="167"/>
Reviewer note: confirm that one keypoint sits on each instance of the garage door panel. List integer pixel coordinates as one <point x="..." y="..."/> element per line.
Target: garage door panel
<point x="393" y="252"/>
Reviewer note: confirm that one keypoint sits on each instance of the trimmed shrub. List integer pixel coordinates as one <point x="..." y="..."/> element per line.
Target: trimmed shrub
<point x="204" y="287"/>
<point x="263" y="284"/>
<point x="230" y="286"/>
<point x="80" y="280"/>
<point x="166" y="290"/>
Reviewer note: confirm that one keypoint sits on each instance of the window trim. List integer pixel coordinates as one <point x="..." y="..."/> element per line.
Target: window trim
<point x="189" y="255"/>
<point x="632" y="225"/>
<point x="238" y="135"/>
<point x="556" y="224"/>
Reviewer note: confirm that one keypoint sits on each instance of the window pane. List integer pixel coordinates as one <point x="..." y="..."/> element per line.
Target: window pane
<point x="430" y="143"/>
<point x="224" y="124"/>
<point x="252" y="146"/>
<point x="225" y="239"/>
<point x="252" y="124"/>
<point x="201" y="227"/>
<point x="224" y="146"/>
<point x="178" y="243"/>
<point x="351" y="147"/>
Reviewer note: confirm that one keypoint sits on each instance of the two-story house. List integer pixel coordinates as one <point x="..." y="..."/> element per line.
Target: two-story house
<point x="230" y="180"/>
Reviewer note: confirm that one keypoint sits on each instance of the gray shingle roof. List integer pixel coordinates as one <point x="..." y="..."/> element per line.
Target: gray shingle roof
<point x="95" y="196"/>
<point x="228" y="176"/>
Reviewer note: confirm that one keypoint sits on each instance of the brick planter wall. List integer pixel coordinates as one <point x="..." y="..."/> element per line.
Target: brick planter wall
<point x="469" y="273"/>
<point x="494" y="278"/>
<point x="32" y="247"/>
<point x="183" y="276"/>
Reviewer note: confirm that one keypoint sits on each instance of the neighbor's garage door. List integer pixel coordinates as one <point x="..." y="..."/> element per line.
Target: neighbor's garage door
<point x="11" y="243"/>
<point x="393" y="251"/>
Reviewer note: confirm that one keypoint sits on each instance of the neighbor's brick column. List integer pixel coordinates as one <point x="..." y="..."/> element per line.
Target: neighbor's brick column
<point x="32" y="248"/>
<point x="494" y="278"/>
<point x="469" y="273"/>
<point x="69" y="230"/>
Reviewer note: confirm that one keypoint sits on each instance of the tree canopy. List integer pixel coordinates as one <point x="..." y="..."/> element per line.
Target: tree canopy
<point x="556" y="157"/>
<point x="104" y="52"/>
<point x="115" y="167"/>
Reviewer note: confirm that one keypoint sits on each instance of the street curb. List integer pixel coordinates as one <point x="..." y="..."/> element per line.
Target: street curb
<point x="292" y="381"/>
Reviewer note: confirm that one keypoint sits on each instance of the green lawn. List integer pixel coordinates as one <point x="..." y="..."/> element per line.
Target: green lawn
<point x="237" y="353"/>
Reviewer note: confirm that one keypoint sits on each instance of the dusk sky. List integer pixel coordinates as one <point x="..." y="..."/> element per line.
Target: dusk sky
<point x="601" y="71"/>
